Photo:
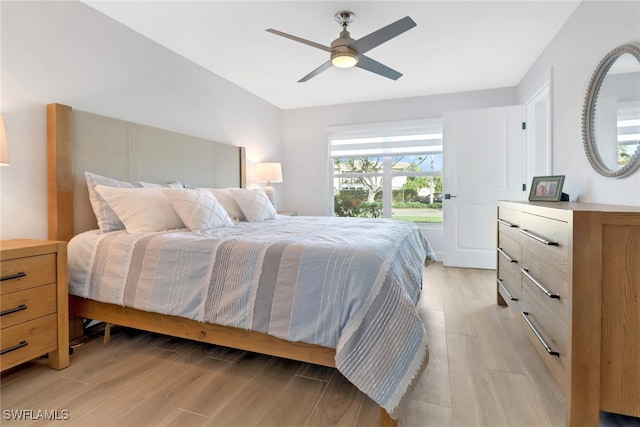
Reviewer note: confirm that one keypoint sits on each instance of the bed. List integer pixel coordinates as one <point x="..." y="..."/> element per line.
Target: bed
<point x="366" y="325"/>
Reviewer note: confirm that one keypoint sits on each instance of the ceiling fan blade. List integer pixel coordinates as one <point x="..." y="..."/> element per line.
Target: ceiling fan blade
<point x="368" y="42"/>
<point x="374" y="66"/>
<point x="316" y="72"/>
<point x="301" y="40"/>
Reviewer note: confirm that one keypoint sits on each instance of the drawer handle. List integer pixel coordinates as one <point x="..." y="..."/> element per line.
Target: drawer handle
<point x="507" y="223"/>
<point x="504" y="289"/>
<point x="504" y="254"/>
<point x="14" y="309"/>
<point x="539" y="238"/>
<point x="525" y="316"/>
<point x="14" y="347"/>
<point x="539" y="285"/>
<point x="13" y="276"/>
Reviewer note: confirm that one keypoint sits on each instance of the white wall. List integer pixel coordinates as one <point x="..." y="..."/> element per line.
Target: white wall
<point x="593" y="30"/>
<point x="305" y="167"/>
<point x="67" y="52"/>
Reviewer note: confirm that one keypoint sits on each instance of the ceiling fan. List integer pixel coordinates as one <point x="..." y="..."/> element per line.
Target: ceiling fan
<point x="347" y="52"/>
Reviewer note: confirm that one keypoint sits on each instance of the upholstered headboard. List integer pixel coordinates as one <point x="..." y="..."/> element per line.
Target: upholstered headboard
<point x="79" y="141"/>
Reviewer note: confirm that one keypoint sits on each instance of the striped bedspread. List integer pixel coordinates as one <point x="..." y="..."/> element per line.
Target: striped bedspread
<point x="345" y="283"/>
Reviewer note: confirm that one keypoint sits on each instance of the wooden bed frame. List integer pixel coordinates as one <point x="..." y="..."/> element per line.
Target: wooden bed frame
<point x="61" y="182"/>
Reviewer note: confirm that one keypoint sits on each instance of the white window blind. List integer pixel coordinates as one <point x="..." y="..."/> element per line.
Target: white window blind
<point x="378" y="161"/>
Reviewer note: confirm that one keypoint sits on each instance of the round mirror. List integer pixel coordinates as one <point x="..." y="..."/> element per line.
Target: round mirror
<point x="611" y="113"/>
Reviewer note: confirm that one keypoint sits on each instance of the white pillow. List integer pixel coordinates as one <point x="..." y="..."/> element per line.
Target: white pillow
<point x="107" y="219"/>
<point x="224" y="196"/>
<point x="255" y="204"/>
<point x="198" y="209"/>
<point x="141" y="210"/>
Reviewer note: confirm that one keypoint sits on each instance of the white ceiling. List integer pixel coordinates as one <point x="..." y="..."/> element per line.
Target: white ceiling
<point x="456" y="46"/>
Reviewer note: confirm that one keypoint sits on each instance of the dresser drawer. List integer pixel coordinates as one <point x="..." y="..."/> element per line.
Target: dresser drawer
<point x="28" y="340"/>
<point x="508" y="248"/>
<point x="509" y="222"/>
<point x="549" y="334"/>
<point x="18" y="307"/>
<point x="23" y="273"/>
<point x="509" y="267"/>
<point x="546" y="237"/>
<point x="545" y="292"/>
<point x="510" y="216"/>
<point x="548" y="281"/>
<point x="541" y="258"/>
<point x="509" y="283"/>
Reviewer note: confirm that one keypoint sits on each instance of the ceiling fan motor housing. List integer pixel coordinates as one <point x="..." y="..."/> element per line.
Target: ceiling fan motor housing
<point x="342" y="53"/>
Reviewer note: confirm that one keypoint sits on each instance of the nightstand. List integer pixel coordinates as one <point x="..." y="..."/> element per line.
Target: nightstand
<point x="34" y="303"/>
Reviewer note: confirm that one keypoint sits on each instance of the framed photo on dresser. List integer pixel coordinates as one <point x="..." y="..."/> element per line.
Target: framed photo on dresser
<point x="546" y="188"/>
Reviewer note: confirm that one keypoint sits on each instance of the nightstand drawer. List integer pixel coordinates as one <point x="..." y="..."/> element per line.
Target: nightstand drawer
<point x="21" y="306"/>
<point x="28" y="340"/>
<point x="23" y="273"/>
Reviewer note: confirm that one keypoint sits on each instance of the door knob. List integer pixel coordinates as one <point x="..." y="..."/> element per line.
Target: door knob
<point x="448" y="196"/>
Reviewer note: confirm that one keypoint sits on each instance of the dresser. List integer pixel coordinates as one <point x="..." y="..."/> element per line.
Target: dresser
<point x="34" y="317"/>
<point x="571" y="271"/>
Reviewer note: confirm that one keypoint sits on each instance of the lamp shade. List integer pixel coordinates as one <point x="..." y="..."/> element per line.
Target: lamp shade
<point x="4" y="147"/>
<point x="269" y="172"/>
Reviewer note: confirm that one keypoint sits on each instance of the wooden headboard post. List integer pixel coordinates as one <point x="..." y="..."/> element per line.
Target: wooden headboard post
<point x="60" y="171"/>
<point x="243" y="167"/>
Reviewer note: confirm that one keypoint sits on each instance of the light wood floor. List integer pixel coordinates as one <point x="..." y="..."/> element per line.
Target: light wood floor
<point x="475" y="377"/>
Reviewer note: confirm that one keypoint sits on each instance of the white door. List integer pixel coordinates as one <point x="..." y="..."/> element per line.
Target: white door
<point x="483" y="154"/>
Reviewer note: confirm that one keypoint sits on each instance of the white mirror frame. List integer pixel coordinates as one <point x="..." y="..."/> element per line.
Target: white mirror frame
<point x="589" y="109"/>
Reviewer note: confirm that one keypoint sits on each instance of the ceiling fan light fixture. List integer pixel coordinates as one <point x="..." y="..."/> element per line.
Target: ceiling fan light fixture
<point x="344" y="59"/>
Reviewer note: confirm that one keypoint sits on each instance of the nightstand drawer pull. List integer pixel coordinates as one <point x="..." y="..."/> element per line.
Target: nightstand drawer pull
<point x="525" y="316"/>
<point x="504" y="289"/>
<point x="14" y="347"/>
<point x="506" y="255"/>
<point x="14" y="309"/>
<point x="13" y="276"/>
<point x="546" y="291"/>
<point x="539" y="238"/>
<point x="507" y="223"/>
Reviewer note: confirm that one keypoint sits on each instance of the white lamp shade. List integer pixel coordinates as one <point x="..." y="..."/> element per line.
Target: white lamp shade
<point x="4" y="147"/>
<point x="269" y="172"/>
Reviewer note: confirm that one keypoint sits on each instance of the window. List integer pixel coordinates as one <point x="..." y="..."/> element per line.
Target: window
<point x="388" y="170"/>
